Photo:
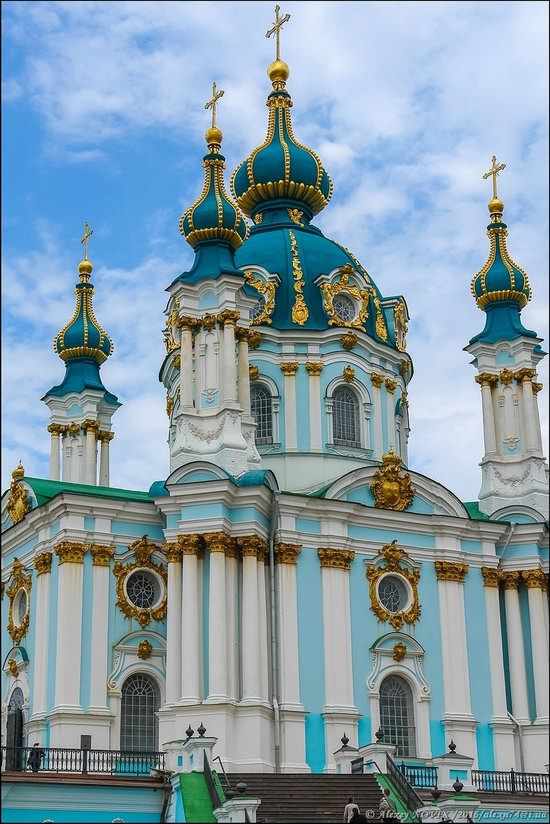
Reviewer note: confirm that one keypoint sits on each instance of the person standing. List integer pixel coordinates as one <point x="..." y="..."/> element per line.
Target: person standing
<point x="387" y="808"/>
<point x="35" y="757"/>
<point x="358" y="818"/>
<point x="349" y="810"/>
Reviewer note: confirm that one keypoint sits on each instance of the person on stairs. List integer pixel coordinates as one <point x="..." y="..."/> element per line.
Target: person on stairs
<point x="387" y="809"/>
<point x="349" y="810"/>
<point x="358" y="818"/>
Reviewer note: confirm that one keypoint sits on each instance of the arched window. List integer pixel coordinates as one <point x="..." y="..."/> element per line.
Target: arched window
<point x="14" y="731"/>
<point x="345" y="418"/>
<point x="138" y="724"/>
<point x="261" y="408"/>
<point x="397" y="715"/>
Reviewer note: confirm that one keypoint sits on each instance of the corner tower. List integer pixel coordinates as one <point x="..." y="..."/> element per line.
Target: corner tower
<point x="81" y="408"/>
<point x="506" y="354"/>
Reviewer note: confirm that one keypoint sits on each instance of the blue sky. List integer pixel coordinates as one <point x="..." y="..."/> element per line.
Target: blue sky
<point x="405" y="102"/>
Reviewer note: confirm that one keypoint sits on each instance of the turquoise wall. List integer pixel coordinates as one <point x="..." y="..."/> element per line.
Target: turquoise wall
<point x="478" y="664"/>
<point x="427" y="632"/>
<point x="364" y="629"/>
<point x="526" y="628"/>
<point x="86" y="638"/>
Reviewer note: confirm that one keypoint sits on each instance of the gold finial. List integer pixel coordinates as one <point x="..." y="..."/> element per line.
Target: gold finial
<point x="84" y="239"/>
<point x="276" y="30"/>
<point x="496" y="206"/>
<point x="19" y="472"/>
<point x="214" y="135"/>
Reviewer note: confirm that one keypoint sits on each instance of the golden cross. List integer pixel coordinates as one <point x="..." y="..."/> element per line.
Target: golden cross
<point x="493" y="172"/>
<point x="213" y="102"/>
<point x="276" y="30"/>
<point x="84" y="239"/>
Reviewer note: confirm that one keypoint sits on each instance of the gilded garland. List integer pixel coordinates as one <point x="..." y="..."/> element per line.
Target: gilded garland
<point x="143" y="551"/>
<point x="362" y="296"/>
<point x="400" y="326"/>
<point x="300" y="312"/>
<point x="395" y="560"/>
<point x="20" y="583"/>
<point x="392" y="488"/>
<point x="267" y="290"/>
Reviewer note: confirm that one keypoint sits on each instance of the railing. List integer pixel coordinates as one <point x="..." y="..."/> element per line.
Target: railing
<point x="215" y="798"/>
<point x="408" y="795"/>
<point x="419" y="776"/>
<point x="357" y="766"/>
<point x="492" y="781"/>
<point x="57" y="760"/>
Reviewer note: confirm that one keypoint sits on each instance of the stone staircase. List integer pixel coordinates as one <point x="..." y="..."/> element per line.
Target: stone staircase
<point x="302" y="798"/>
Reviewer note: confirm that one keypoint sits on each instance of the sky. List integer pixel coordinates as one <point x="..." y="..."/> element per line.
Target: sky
<point x="405" y="102"/>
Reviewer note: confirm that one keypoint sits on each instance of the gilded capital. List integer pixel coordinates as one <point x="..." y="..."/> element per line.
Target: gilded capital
<point x="376" y="379"/>
<point x="349" y="341"/>
<point x="491" y="576"/>
<point x="314" y="368"/>
<point x="43" y="563"/>
<point x="447" y="571"/>
<point x="105" y="437"/>
<point x="253" y="372"/>
<point x="173" y="552"/>
<point x="241" y="334"/>
<point x="537" y="387"/>
<point x="56" y="429"/>
<point x="511" y="579"/>
<point x="289" y="368"/>
<point x="506" y="377"/>
<point x="90" y="425"/>
<point x="219" y="542"/>
<point x="535" y="579"/>
<point x="390" y="385"/>
<point x="254" y="338"/>
<point x="228" y="317"/>
<point x="190" y="544"/>
<point x="335" y="558"/>
<point x="208" y="322"/>
<point x="486" y="379"/>
<point x="70" y="552"/>
<point x="102" y="554"/>
<point x="73" y="429"/>
<point x="186" y="322"/>
<point x="287" y="553"/>
<point x="524" y="375"/>
<point x="252" y="546"/>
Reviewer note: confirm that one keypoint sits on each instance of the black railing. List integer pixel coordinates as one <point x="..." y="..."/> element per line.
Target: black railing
<point x="357" y="766"/>
<point x="215" y="798"/>
<point x="399" y="781"/>
<point x="58" y="760"/>
<point x="491" y="781"/>
<point x="419" y="776"/>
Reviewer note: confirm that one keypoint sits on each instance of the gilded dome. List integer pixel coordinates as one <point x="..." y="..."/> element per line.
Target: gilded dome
<point x="83" y="337"/>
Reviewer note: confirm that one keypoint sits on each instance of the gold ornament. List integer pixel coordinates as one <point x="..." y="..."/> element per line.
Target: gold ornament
<point x="13" y="668"/>
<point x="102" y="554"/>
<point x="43" y="563"/>
<point x="335" y="558"/>
<point x="491" y="576"/>
<point x="349" y="341"/>
<point x="258" y="218"/>
<point x="228" y="317"/>
<point x="393" y="558"/>
<point x="348" y="374"/>
<point x="287" y="553"/>
<point x="390" y="385"/>
<point x="19" y="504"/>
<point x="176" y="362"/>
<point x="295" y="215"/>
<point x="169" y="404"/>
<point x="506" y="377"/>
<point x="392" y="489"/>
<point x="172" y="552"/>
<point x="289" y="368"/>
<point x="511" y="579"/>
<point x="376" y="379"/>
<point x="535" y="579"/>
<point x="254" y="338"/>
<point x="208" y="322"/>
<point x="19" y="581"/>
<point x="143" y="551"/>
<point x="70" y="552"/>
<point x="525" y="374"/>
<point x="252" y="546"/>
<point x="537" y="387"/>
<point x="314" y="368"/>
<point x="191" y="544"/>
<point x="399" y="651"/>
<point x="486" y="379"/>
<point x="300" y="312"/>
<point x="400" y="326"/>
<point x="362" y="296"/>
<point x="145" y="648"/>
<point x="446" y="571"/>
<point x="220" y="542"/>
<point x="404" y="367"/>
<point x="253" y="372"/>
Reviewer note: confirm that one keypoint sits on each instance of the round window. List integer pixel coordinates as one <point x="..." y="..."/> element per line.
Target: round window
<point x="344" y="307"/>
<point x="143" y="589"/>
<point x="393" y="593"/>
<point x="257" y="309"/>
<point x="20" y="607"/>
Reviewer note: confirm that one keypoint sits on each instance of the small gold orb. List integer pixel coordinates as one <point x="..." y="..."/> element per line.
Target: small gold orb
<point x="278" y="71"/>
<point x="85" y="267"/>
<point x="18" y="473"/>
<point x="496" y="206"/>
<point x="213" y="136"/>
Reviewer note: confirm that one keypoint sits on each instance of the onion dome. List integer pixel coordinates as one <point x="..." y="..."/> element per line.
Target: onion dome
<point x="213" y="216"/>
<point x="18" y="473"/>
<point x="281" y="169"/>
<point x="83" y="337"/>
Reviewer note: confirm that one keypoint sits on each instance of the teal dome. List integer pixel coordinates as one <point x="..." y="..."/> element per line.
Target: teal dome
<point x="83" y="337"/>
<point x="281" y="168"/>
<point x="213" y="216"/>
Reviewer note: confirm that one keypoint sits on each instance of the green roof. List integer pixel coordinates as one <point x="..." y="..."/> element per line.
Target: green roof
<point x="472" y="508"/>
<point x="46" y="490"/>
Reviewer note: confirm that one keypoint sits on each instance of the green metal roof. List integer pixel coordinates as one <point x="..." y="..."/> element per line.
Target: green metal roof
<point x="472" y="508"/>
<point x="46" y="490"/>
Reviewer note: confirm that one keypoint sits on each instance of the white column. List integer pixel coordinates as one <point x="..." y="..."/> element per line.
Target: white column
<point x="335" y="565"/>
<point x="486" y="381"/>
<point x="250" y="649"/>
<point x="69" y="625"/>
<point x="315" y="433"/>
<point x="90" y="460"/>
<point x="536" y="389"/>
<point x="516" y="651"/>
<point x="535" y="581"/>
<point x="191" y="658"/>
<point x="287" y="608"/>
<point x="231" y="620"/>
<point x="55" y="430"/>
<point x="228" y="319"/>
<point x="244" y="373"/>
<point x="186" y="364"/>
<point x="377" y="381"/>
<point x="289" y="370"/>
<point x="262" y="623"/>
<point x="100" y="626"/>
<point x="174" y="626"/>
<point x="43" y="565"/>
<point x="524" y="378"/>
<point x="391" y="386"/>
<point x="217" y="543"/>
<point x="104" y="438"/>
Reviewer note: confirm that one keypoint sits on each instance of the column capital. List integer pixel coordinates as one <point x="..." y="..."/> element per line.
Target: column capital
<point x="289" y="368"/>
<point x="90" y="425"/>
<point x="102" y="554"/>
<point x="335" y="558"/>
<point x="524" y="375"/>
<point x="287" y="553"/>
<point x="486" y="379"/>
<point x="73" y="429"/>
<point x="228" y="317"/>
<point x="190" y="544"/>
<point x="219" y="542"/>
<point x="43" y="563"/>
<point x="537" y="387"/>
<point x="242" y="334"/>
<point x="511" y="578"/>
<point x="173" y="552"/>
<point x="506" y="377"/>
<point x="314" y="368"/>
<point x="207" y="322"/>
<point x="376" y="379"/>
<point x="252" y="546"/>
<point x="535" y="579"/>
<point x="105" y="437"/>
<point x="187" y="322"/>
<point x="56" y="429"/>
<point x="390" y="384"/>
<point x="447" y="571"/>
<point x="70" y="552"/>
<point x="491" y="576"/>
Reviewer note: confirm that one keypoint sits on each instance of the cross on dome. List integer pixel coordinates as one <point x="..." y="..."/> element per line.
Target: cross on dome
<point x="85" y="237"/>
<point x="276" y="30"/>
<point x="213" y="102"/>
<point x="493" y="172"/>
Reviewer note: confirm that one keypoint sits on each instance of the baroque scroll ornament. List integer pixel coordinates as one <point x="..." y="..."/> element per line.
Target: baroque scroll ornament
<point x="18" y="502"/>
<point x="392" y="488"/>
<point x="143" y="551"/>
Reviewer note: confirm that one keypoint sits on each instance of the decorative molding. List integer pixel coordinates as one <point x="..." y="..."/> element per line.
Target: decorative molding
<point x="537" y="387"/>
<point x="43" y="563"/>
<point x="296" y="216"/>
<point x="267" y="289"/>
<point x="254" y="372"/>
<point x="525" y="374"/>
<point x="19" y="581"/>
<point x="535" y="579"/>
<point x="511" y="578"/>
<point x="143" y="551"/>
<point x="447" y="571"/>
<point x="191" y="544"/>
<point x="90" y="425"/>
<point x="228" y="317"/>
<point x="395" y="560"/>
<point x="399" y="651"/>
<point x="491" y="576"/>
<point x="486" y="379"/>
<point x="506" y="377"/>
<point x="19" y="504"/>
<point x="400" y="326"/>
<point x="176" y="362"/>
<point x="172" y="552"/>
<point x="70" y="552"/>
<point x="219" y="542"/>
<point x="102" y="554"/>
<point x="254" y="338"/>
<point x="144" y="650"/>
<point x="314" y="368"/>
<point x="404" y="368"/>
<point x="300" y="312"/>
<point x="252" y="546"/>
<point x="208" y="322"/>
<point x="376" y="379"/>
<point x="335" y="558"/>
<point x="392" y="488"/>
<point x="289" y="368"/>
<point x="390" y="384"/>
<point x="349" y="341"/>
<point x="348" y="374"/>
<point x="56" y="429"/>
<point x="342" y="284"/>
<point x="105" y="437"/>
<point x="287" y="553"/>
